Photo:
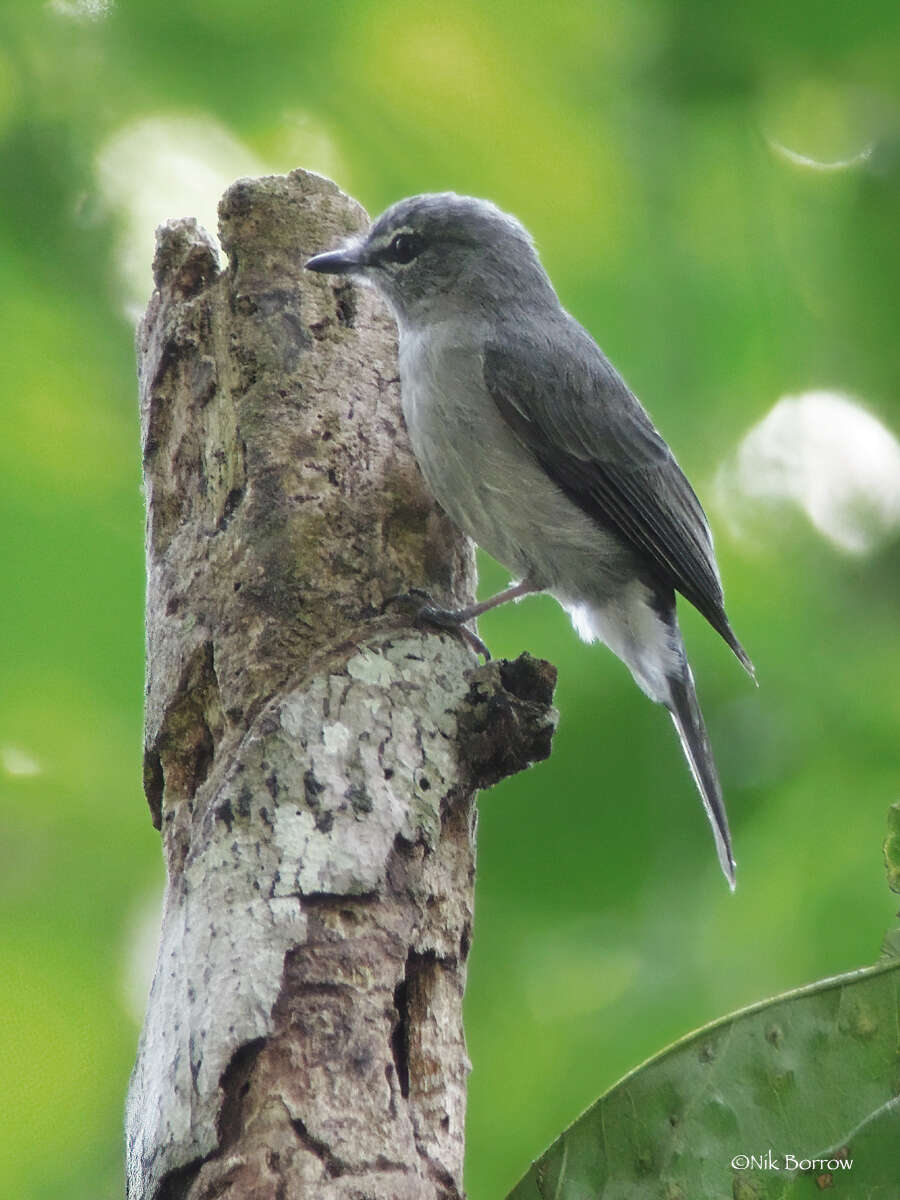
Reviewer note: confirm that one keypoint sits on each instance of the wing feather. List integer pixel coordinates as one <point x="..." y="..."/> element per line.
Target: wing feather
<point x="567" y="403"/>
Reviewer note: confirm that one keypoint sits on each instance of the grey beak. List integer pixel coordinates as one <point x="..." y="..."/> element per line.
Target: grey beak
<point x="336" y="262"/>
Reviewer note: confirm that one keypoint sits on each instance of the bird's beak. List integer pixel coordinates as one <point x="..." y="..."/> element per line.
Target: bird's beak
<point x="338" y="262"/>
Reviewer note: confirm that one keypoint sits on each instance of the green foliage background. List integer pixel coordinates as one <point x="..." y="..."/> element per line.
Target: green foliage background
<point x="639" y="141"/>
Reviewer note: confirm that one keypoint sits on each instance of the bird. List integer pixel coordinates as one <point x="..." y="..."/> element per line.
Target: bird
<point x="534" y="445"/>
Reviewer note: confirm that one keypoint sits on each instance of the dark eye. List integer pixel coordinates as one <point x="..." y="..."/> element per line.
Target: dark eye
<point x="405" y="247"/>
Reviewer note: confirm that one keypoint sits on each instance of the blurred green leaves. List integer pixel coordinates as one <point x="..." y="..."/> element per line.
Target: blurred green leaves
<point x="676" y="164"/>
<point x="792" y="1096"/>
<point x="739" y="1107"/>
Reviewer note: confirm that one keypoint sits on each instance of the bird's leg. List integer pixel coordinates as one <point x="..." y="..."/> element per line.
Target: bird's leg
<point x="456" y="618"/>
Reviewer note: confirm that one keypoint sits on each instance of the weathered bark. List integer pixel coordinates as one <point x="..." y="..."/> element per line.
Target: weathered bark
<point x="310" y="761"/>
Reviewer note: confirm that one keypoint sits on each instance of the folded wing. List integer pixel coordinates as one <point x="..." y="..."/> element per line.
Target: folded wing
<point x="570" y="407"/>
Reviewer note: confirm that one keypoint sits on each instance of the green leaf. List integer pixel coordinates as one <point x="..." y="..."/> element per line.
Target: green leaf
<point x="813" y="1074"/>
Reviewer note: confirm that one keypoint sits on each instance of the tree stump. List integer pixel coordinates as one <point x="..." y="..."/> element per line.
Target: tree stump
<point x="310" y="760"/>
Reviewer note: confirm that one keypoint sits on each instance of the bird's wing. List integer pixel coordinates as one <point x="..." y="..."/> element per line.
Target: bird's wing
<point x="572" y="409"/>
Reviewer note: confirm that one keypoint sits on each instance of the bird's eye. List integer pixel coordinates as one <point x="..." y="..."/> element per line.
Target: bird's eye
<point x="404" y="247"/>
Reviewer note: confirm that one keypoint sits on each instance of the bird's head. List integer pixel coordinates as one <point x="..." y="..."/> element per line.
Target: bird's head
<point x="440" y="255"/>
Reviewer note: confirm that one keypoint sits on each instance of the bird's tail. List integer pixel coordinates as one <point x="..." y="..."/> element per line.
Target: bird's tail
<point x="688" y="719"/>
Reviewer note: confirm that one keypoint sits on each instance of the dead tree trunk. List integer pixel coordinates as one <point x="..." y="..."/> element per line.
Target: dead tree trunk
<point x="310" y="762"/>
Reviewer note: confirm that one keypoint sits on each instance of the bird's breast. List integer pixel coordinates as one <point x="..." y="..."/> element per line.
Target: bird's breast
<point x="454" y="428"/>
<point x="483" y="477"/>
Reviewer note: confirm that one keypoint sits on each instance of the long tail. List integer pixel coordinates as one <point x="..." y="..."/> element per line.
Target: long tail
<point x="688" y="720"/>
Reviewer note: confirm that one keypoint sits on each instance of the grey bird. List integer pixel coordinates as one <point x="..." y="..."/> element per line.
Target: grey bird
<point x="534" y="445"/>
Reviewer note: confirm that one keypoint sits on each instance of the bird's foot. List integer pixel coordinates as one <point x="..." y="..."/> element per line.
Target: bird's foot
<point x="426" y="611"/>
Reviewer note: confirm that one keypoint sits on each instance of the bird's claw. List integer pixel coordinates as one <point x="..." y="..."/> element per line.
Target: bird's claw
<point x="427" y="612"/>
<point x="416" y="598"/>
